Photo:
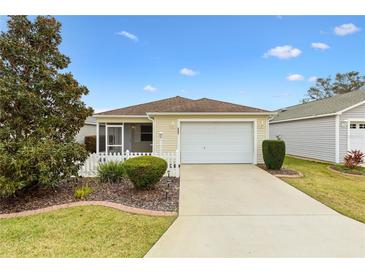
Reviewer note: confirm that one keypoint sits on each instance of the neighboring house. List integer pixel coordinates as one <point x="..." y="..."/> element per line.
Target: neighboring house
<point x="89" y="129"/>
<point x="324" y="129"/>
<point x="201" y="131"/>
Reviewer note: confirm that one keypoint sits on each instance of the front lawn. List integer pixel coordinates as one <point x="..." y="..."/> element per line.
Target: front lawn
<point x="343" y="193"/>
<point x="85" y="231"/>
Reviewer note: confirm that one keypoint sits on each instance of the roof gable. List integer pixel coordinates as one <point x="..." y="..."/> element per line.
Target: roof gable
<point x="181" y="104"/>
<point x="141" y="109"/>
<point x="321" y="107"/>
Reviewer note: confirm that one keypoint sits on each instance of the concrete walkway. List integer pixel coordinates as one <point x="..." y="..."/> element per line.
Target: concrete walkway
<point x="242" y="211"/>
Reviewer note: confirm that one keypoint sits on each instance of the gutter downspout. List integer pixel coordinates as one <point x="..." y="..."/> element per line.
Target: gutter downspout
<point x="153" y="132"/>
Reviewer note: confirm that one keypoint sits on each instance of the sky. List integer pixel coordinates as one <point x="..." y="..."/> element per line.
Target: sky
<point x="267" y="62"/>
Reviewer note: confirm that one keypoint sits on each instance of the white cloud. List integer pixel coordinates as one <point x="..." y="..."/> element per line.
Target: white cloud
<point x="128" y="35"/>
<point x="319" y="45"/>
<point x="312" y="79"/>
<point x="283" y="52"/>
<point x="149" y="88"/>
<point x="346" y="29"/>
<point x="188" y="72"/>
<point x="295" y="77"/>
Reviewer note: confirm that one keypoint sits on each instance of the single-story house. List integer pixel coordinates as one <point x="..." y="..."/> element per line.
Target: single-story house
<point x="89" y="129"/>
<point x="199" y="131"/>
<point x="324" y="129"/>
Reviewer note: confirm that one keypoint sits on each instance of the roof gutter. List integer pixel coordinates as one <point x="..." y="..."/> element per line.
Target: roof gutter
<point x="305" y="118"/>
<point x="119" y="116"/>
<point x="210" y="113"/>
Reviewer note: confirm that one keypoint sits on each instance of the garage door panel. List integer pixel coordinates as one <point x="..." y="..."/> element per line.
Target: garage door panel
<point x="357" y="136"/>
<point x="216" y="142"/>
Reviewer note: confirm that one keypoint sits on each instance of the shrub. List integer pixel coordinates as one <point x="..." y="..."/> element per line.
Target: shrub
<point x="111" y="171"/>
<point x="354" y="158"/>
<point x="145" y="171"/>
<point x="274" y="153"/>
<point x="82" y="192"/>
<point x="42" y="162"/>
<point x="90" y="143"/>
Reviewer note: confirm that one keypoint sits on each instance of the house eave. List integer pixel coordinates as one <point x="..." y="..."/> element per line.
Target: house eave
<point x="305" y="118"/>
<point x="209" y="113"/>
<point x="119" y="116"/>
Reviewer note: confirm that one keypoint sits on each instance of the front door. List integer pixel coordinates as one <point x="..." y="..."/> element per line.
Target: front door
<point x="114" y="139"/>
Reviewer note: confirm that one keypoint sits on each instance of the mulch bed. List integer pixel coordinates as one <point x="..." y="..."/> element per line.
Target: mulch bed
<point x="348" y="171"/>
<point x="123" y="192"/>
<point x="284" y="172"/>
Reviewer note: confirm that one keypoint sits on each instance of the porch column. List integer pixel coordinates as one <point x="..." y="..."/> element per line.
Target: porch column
<point x="97" y="137"/>
<point x="106" y="138"/>
<point x="122" y="138"/>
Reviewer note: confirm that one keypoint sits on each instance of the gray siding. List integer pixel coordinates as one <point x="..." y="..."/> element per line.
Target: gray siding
<point x="357" y="113"/>
<point x="86" y="130"/>
<point x="312" y="138"/>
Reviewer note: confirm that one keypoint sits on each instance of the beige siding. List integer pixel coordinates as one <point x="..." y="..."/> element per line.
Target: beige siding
<point x="168" y="126"/>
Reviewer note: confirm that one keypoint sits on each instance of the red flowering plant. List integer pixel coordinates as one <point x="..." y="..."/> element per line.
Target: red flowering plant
<point x="354" y="158"/>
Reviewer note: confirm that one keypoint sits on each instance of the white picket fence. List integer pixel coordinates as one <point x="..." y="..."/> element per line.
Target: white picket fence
<point x="90" y="167"/>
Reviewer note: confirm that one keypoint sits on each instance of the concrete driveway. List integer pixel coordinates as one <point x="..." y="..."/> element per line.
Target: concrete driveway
<point x="242" y="211"/>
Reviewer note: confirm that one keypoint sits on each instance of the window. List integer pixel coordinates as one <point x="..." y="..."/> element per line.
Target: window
<point x="146" y="133"/>
<point x="362" y="126"/>
<point x="352" y="125"/>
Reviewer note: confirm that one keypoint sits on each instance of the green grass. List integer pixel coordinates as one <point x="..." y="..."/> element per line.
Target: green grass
<point x="85" y="231"/>
<point x="343" y="193"/>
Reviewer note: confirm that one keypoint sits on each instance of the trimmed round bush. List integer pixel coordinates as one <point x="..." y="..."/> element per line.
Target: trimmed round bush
<point x="111" y="171"/>
<point x="145" y="171"/>
<point x="274" y="153"/>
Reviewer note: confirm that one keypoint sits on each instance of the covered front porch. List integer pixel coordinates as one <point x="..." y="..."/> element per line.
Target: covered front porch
<point x="118" y="138"/>
<point x="121" y="141"/>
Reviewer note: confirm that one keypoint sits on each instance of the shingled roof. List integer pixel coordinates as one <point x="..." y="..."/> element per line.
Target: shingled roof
<point x="181" y="104"/>
<point x="325" y="106"/>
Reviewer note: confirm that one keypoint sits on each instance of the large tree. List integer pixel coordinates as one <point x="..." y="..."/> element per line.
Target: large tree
<point x="343" y="83"/>
<point x="41" y="110"/>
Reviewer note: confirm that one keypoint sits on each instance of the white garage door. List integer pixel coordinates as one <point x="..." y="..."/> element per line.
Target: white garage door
<point x="357" y="136"/>
<point x="216" y="142"/>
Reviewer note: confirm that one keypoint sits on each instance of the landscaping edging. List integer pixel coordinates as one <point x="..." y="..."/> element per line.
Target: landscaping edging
<point x="289" y="176"/>
<point x="117" y="206"/>
<point x="283" y="174"/>
<point x="343" y="173"/>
